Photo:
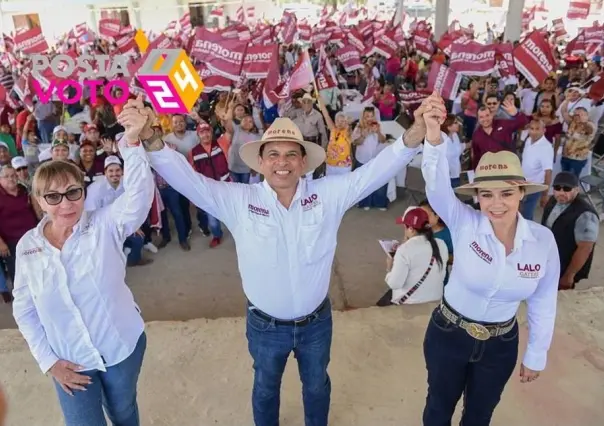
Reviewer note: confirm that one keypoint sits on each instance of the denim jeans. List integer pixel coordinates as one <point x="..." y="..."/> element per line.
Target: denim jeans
<point x="469" y="125"/>
<point x="3" y="285"/>
<point x="114" y="389"/>
<point x="529" y="204"/>
<point x="377" y="199"/>
<point x="209" y="223"/>
<point x="240" y="177"/>
<point x="9" y="261"/>
<point x="46" y="127"/>
<point x="171" y="200"/>
<point x="135" y="243"/>
<point x="457" y="363"/>
<point x="573" y="166"/>
<point x="185" y="206"/>
<point x="270" y="345"/>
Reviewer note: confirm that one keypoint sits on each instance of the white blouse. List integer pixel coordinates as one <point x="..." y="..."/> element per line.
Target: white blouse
<point x="485" y="284"/>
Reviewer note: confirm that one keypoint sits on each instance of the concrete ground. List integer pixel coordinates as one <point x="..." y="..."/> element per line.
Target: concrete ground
<point x="198" y="373"/>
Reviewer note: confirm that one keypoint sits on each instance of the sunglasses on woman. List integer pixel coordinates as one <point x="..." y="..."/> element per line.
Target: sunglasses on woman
<point x="562" y="188"/>
<point x="55" y="198"/>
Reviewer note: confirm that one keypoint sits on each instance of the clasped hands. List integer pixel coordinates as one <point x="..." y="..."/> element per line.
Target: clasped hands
<point x="136" y="119"/>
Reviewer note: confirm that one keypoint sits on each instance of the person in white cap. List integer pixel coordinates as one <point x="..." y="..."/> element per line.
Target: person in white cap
<point x="285" y="230"/>
<point x="21" y="167"/>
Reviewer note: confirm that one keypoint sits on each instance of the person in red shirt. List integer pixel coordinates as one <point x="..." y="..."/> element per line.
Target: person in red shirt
<point x="386" y="103"/>
<point x="393" y="66"/>
<point x="411" y="69"/>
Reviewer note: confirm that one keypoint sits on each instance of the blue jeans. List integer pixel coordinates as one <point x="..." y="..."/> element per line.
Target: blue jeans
<point x="114" y="389"/>
<point x="469" y="125"/>
<point x="270" y="345"/>
<point x="135" y="243"/>
<point x="240" y="177"/>
<point x="171" y="200"/>
<point x="46" y="127"/>
<point x="377" y="199"/>
<point x="573" y="166"/>
<point x="209" y="223"/>
<point x="3" y="285"/>
<point x="457" y="363"/>
<point x="529" y="204"/>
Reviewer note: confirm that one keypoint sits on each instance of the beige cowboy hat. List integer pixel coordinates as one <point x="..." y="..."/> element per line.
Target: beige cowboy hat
<point x="282" y="130"/>
<point x="498" y="170"/>
<point x="307" y="97"/>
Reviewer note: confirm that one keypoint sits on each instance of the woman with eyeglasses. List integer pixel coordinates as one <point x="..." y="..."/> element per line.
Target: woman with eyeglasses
<point x="72" y="304"/>
<point x="17" y="216"/>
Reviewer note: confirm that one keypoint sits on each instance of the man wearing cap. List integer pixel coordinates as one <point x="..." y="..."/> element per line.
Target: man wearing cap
<point x="309" y="121"/>
<point x="285" y="230"/>
<point x="20" y="165"/>
<point x="574" y="98"/>
<point x="210" y="159"/>
<point x="575" y="225"/>
<point x="104" y="191"/>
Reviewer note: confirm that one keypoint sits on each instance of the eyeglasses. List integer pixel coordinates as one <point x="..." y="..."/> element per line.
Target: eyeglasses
<point x="55" y="198"/>
<point x="562" y="188"/>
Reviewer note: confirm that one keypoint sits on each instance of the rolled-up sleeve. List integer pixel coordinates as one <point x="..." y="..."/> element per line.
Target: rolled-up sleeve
<point x="130" y="209"/>
<point x="214" y="197"/>
<point x="26" y="317"/>
<point x="441" y="196"/>
<point x="350" y="188"/>
<point x="541" y="312"/>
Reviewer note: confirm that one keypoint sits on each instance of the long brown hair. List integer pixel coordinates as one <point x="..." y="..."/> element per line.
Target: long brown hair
<point x="451" y="118"/>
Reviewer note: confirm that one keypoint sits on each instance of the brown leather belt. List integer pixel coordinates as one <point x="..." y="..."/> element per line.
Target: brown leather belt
<point x="474" y="329"/>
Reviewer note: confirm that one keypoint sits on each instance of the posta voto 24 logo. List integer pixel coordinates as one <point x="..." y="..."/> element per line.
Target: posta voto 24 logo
<point x="167" y="75"/>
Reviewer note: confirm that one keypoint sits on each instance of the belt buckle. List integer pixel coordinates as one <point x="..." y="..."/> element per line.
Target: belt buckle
<point x="478" y="331"/>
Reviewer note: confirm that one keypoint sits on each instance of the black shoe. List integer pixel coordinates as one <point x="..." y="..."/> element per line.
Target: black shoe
<point x="7" y="296"/>
<point x="163" y="243"/>
<point x="185" y="246"/>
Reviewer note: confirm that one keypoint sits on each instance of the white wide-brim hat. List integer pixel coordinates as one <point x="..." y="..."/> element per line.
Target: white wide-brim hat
<point x="282" y="130"/>
<point x="498" y="170"/>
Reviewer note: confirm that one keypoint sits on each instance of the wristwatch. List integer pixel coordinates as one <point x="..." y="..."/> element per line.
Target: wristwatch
<point x="154" y="143"/>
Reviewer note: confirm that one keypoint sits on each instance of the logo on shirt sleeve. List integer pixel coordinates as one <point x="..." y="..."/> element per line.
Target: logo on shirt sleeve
<point x="528" y="270"/>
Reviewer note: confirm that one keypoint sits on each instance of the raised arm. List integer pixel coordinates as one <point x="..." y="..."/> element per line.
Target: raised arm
<point x="435" y="170"/>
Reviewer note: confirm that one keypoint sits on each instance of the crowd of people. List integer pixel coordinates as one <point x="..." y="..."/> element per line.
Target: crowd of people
<point x="280" y="179"/>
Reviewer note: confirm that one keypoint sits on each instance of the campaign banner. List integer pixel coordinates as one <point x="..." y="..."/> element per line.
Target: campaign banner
<point x="504" y="59"/>
<point x="534" y="59"/>
<point x="325" y="77"/>
<point x="412" y="97"/>
<point x="355" y="38"/>
<point x="31" y="41"/>
<point x="212" y="82"/>
<point x="423" y="44"/>
<point x="257" y="60"/>
<point x="578" y="9"/>
<point x="289" y="27"/>
<point x="304" y="33"/>
<point x="444" y="80"/>
<point x="126" y="44"/>
<point x="527" y="17"/>
<point x="110" y="28"/>
<point x="222" y="57"/>
<point x="385" y="45"/>
<point x="559" y="29"/>
<point x="472" y="58"/>
<point x="319" y="38"/>
<point x="576" y="47"/>
<point x="350" y="58"/>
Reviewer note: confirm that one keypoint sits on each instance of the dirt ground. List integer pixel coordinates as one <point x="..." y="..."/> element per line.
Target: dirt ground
<point x="198" y="372"/>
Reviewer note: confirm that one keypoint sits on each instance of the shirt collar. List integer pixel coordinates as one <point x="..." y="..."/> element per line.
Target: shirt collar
<point x="523" y="230"/>
<point x="39" y="229"/>
<point x="301" y="188"/>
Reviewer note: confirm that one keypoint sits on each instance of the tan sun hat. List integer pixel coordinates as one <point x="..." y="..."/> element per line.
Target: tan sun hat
<point x="497" y="170"/>
<point x="282" y="130"/>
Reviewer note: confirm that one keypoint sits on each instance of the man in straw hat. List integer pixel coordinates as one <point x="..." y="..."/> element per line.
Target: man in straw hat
<point x="285" y="230"/>
<point x="501" y="259"/>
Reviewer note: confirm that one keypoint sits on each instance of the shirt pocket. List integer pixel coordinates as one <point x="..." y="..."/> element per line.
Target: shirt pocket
<point x="315" y="243"/>
<point x="262" y="239"/>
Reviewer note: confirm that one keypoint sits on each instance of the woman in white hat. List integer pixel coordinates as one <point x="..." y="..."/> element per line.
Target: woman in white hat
<point x="471" y="344"/>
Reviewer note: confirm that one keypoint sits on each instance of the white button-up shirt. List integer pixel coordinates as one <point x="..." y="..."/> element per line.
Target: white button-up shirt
<point x="285" y="255"/>
<point x="485" y="284"/>
<point x="100" y="194"/>
<point x="74" y="304"/>
<point x="454" y="150"/>
<point x="537" y="157"/>
<point x="411" y="261"/>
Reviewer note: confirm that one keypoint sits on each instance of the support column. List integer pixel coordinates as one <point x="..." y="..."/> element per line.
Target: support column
<point x="441" y="20"/>
<point x="93" y="21"/>
<point x="136" y="14"/>
<point x="400" y="10"/>
<point x="183" y="7"/>
<point x="513" y="20"/>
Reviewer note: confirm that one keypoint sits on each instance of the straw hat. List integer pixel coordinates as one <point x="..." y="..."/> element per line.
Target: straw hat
<point x="307" y="97"/>
<point x="498" y="170"/>
<point x="282" y="130"/>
